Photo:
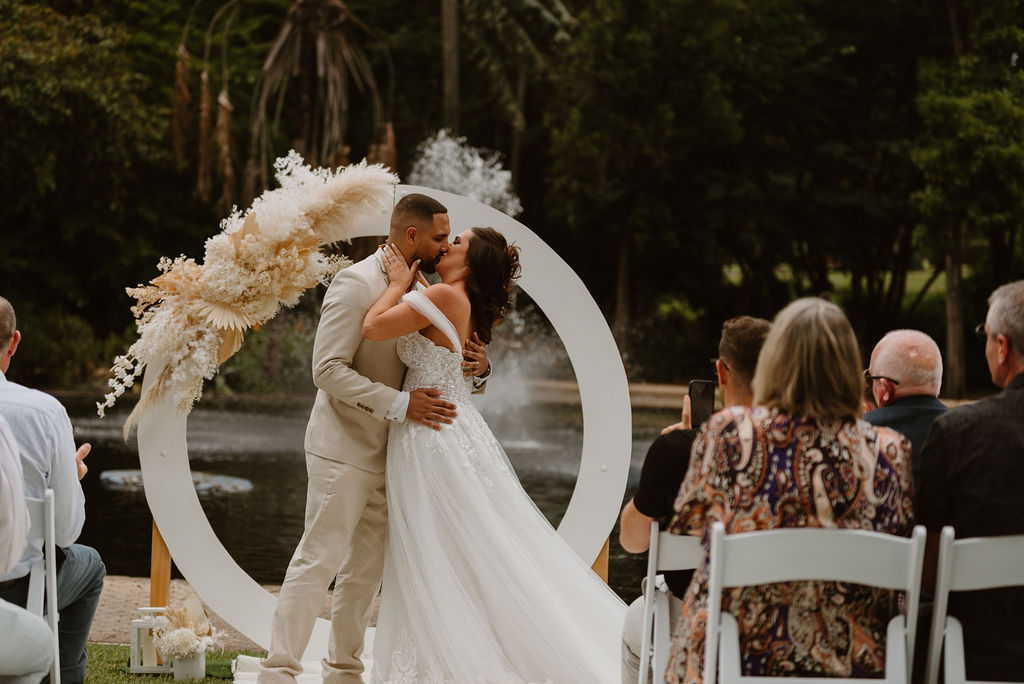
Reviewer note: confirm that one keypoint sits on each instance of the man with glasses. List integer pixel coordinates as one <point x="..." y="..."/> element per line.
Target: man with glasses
<point x="973" y="479"/>
<point x="904" y="377"/>
<point x="665" y="467"/>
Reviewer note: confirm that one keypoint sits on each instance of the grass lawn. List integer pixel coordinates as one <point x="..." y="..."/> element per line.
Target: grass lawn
<point x="108" y="664"/>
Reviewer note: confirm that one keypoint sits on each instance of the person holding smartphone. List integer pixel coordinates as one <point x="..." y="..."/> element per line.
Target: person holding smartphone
<point x="665" y="466"/>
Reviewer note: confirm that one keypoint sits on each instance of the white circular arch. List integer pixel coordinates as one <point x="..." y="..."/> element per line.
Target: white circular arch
<point x="607" y="424"/>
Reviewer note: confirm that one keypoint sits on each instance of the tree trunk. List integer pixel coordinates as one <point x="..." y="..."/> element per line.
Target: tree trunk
<point x="450" y="64"/>
<point x="956" y="357"/>
<point x="620" y="325"/>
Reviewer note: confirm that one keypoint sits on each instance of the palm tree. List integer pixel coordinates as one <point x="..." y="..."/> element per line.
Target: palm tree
<point x="316" y="55"/>
<point x="509" y="40"/>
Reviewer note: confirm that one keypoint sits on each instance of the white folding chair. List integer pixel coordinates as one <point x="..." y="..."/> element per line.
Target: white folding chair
<point x="43" y="575"/>
<point x="796" y="554"/>
<point x="667" y="552"/>
<point x="967" y="565"/>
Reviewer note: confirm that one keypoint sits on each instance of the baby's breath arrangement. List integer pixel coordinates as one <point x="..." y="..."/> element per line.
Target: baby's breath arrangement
<point x="192" y="317"/>
<point x="187" y="632"/>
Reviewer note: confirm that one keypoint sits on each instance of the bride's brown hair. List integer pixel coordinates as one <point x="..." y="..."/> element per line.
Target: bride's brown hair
<point x="493" y="265"/>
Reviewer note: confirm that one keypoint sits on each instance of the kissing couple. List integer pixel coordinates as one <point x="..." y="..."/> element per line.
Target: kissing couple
<point x="410" y="493"/>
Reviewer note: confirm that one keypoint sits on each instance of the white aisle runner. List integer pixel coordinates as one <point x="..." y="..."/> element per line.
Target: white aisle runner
<point x="245" y="667"/>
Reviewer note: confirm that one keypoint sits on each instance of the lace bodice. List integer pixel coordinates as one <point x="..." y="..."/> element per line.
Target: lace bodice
<point x="431" y="365"/>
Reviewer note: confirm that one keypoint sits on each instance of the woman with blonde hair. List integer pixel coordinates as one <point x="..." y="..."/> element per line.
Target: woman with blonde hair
<point x="803" y="457"/>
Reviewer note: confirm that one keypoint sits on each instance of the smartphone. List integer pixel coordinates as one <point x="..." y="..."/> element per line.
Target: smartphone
<point x="702" y="401"/>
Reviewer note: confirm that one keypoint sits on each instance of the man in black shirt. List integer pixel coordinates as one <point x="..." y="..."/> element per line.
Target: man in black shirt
<point x="904" y="376"/>
<point x="972" y="477"/>
<point x="665" y="466"/>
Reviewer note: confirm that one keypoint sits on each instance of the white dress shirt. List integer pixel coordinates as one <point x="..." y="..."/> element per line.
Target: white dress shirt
<point x="46" y="442"/>
<point x="13" y="513"/>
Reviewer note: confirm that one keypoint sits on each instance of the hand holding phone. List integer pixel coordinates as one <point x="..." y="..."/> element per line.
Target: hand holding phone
<point x="702" y="401"/>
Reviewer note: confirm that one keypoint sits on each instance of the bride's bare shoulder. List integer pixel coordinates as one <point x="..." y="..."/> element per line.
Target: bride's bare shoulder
<point x="448" y="298"/>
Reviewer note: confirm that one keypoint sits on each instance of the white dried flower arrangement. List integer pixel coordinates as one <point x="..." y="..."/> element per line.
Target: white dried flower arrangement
<point x="187" y="632"/>
<point x="192" y="317"/>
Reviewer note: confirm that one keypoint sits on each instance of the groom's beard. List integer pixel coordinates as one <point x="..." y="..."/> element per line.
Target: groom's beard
<point x="429" y="266"/>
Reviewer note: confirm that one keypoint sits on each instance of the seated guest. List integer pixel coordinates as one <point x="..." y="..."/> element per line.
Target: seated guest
<point x="904" y="376"/>
<point x="663" y="471"/>
<point x="972" y="477"/>
<point x="42" y="430"/>
<point x="801" y="458"/>
<point x="25" y="653"/>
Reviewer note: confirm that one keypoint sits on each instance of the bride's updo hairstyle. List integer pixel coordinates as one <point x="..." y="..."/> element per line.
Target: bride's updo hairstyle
<point x="493" y="266"/>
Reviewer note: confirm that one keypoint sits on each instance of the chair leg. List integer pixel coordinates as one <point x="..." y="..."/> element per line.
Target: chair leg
<point x="662" y="635"/>
<point x="953" y="648"/>
<point x="729" y="668"/>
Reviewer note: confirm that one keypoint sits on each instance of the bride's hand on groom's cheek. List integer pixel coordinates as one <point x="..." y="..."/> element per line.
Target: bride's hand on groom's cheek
<point x="426" y="407"/>
<point x="398" y="271"/>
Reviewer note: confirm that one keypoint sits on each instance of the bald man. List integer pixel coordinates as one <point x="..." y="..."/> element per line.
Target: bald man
<point x="904" y="376"/>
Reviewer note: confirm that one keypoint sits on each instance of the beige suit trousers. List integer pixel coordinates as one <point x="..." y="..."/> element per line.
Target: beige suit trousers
<point x="345" y="537"/>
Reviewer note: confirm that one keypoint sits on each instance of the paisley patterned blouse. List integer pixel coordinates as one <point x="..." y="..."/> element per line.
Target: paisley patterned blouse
<point x="757" y="469"/>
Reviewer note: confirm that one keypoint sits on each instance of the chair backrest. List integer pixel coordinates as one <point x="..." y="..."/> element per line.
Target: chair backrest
<point x="667" y="552"/>
<point x="43" y="574"/>
<point x="675" y="551"/>
<point x="796" y="554"/>
<point x="968" y="565"/>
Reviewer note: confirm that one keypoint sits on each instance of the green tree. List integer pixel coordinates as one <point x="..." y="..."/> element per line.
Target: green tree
<point x="971" y="153"/>
<point x="772" y="138"/>
<point x="73" y="152"/>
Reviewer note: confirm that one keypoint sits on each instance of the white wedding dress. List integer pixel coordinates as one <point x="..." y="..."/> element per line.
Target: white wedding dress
<point x="478" y="587"/>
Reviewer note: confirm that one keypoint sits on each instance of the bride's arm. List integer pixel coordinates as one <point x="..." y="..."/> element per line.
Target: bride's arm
<point x="389" y="317"/>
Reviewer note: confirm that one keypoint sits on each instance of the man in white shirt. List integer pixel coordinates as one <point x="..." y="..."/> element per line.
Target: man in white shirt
<point x="25" y="656"/>
<point x="49" y="460"/>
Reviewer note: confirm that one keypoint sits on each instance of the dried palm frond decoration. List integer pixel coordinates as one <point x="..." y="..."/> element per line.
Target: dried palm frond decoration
<point x="182" y="100"/>
<point x="192" y="317"/>
<point x="204" y="180"/>
<point x="313" y="60"/>
<point x="223" y="137"/>
<point x="222" y="131"/>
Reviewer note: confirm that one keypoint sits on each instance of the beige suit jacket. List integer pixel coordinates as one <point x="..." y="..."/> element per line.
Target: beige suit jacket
<point x="357" y="380"/>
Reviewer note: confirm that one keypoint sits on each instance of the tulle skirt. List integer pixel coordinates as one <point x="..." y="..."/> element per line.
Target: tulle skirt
<point x="478" y="587"/>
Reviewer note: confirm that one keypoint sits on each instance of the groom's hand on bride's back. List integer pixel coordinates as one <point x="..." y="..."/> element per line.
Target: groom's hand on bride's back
<point x="428" y="408"/>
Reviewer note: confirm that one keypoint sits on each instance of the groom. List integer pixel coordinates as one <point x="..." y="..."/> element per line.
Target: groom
<point x="346" y="442"/>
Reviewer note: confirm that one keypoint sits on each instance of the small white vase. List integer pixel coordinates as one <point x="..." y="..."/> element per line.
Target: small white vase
<point x="190" y="668"/>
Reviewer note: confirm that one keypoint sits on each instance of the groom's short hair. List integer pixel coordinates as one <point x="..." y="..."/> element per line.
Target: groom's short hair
<point x="415" y="208"/>
<point x="8" y="323"/>
<point x="742" y="339"/>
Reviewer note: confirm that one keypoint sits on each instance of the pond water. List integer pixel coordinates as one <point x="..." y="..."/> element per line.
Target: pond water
<point x="261" y="441"/>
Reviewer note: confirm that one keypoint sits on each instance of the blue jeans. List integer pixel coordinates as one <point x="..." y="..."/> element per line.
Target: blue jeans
<point x="79" y="583"/>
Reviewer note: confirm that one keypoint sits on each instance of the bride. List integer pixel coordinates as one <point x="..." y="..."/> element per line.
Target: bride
<point x="478" y="587"/>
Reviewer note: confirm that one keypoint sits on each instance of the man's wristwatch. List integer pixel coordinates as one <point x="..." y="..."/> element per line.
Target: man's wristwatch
<point x="479" y="380"/>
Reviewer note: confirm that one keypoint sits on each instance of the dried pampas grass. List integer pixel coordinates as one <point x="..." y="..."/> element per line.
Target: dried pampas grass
<point x="192" y="317"/>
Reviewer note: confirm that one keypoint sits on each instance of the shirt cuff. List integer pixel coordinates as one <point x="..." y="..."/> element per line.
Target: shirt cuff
<point x="481" y="380"/>
<point x="399" y="408"/>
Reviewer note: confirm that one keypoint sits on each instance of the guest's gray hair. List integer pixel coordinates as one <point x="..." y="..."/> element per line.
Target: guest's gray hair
<point x="1006" y="315"/>
<point x="912" y="358"/>
<point x="8" y="323"/>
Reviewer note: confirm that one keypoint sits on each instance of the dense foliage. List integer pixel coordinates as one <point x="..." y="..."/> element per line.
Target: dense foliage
<point x="692" y="160"/>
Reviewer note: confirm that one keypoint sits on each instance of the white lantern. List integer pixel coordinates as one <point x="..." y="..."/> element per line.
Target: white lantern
<point x="144" y="657"/>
